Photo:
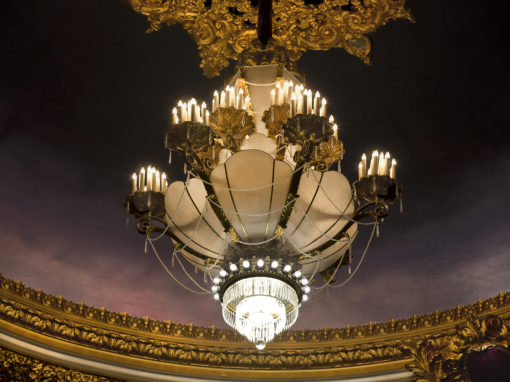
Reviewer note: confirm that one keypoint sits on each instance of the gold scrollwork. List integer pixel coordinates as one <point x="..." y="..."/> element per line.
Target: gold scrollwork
<point x="226" y="29"/>
<point x="18" y="367"/>
<point x="439" y="358"/>
<point x="232" y="125"/>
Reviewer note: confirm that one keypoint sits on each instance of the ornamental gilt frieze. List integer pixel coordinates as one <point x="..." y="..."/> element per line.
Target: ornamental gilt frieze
<point x="225" y="30"/>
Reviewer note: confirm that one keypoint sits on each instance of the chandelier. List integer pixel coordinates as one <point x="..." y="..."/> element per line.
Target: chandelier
<point x="265" y="212"/>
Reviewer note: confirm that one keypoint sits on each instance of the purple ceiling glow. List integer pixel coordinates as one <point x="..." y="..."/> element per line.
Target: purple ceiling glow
<point x="85" y="96"/>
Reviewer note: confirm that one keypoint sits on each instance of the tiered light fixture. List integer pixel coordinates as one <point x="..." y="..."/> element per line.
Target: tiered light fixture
<point x="263" y="210"/>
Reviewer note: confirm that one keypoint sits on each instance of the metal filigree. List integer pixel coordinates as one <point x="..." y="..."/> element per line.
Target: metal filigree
<point x="232" y="125"/>
<point x="225" y="30"/>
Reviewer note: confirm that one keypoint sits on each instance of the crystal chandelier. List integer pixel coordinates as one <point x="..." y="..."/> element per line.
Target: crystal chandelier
<point x="265" y="211"/>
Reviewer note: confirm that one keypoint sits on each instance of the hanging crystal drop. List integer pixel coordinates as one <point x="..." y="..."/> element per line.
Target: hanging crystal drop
<point x="298" y="125"/>
<point x="272" y="115"/>
<point x="243" y="120"/>
<point x="315" y="151"/>
<point x="149" y="201"/>
<point x="210" y="138"/>
<point x="401" y="206"/>
<point x="173" y="259"/>
<point x="213" y="153"/>
<point x="146" y="244"/>
<point x="339" y="168"/>
<point x="187" y="133"/>
<point x="170" y="157"/>
<point x="185" y="168"/>
<point x="323" y="128"/>
<point x="377" y="229"/>
<point x="350" y="271"/>
<point x="187" y="179"/>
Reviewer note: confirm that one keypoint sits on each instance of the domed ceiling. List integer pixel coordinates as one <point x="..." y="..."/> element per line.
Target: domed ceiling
<point x="85" y="97"/>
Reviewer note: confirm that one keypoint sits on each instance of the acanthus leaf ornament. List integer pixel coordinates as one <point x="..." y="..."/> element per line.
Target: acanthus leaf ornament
<point x="225" y="30"/>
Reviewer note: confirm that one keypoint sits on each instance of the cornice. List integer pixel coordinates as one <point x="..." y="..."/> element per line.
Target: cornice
<point x="91" y="328"/>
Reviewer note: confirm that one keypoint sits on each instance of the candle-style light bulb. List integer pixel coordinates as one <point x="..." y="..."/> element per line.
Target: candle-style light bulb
<point x="316" y="100"/>
<point x="331" y="119"/>
<point x="164" y="183"/>
<point x="293" y="105"/>
<point x="149" y="178"/>
<point x="175" y="118"/>
<point x="272" y="98"/>
<point x="207" y="115"/>
<point x="134" y="180"/>
<point x="142" y="179"/>
<point x="158" y="181"/>
<point x="335" y="130"/>
<point x="380" y="168"/>
<point x="323" y="108"/>
<point x="387" y="162"/>
<point x="374" y="163"/>
<point x="364" y="163"/>
<point x="393" y="170"/>
<point x="360" y="170"/>
<point x="215" y="101"/>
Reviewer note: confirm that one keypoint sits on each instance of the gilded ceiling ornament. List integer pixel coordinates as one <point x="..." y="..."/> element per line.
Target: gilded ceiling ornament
<point x="440" y="358"/>
<point x="225" y="30"/>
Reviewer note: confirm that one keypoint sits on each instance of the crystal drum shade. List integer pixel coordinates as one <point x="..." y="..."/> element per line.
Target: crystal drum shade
<point x="260" y="307"/>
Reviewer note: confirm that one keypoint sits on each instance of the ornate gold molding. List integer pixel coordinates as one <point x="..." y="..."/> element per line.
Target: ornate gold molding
<point x="226" y="29"/>
<point x="144" y="338"/>
<point x="18" y="367"/>
<point x="440" y="358"/>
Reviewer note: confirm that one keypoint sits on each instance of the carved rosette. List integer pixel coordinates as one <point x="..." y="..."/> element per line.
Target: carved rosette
<point x="18" y="304"/>
<point x="226" y="29"/>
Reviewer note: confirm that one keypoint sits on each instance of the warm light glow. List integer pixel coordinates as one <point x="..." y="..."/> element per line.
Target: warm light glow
<point x="260" y="307"/>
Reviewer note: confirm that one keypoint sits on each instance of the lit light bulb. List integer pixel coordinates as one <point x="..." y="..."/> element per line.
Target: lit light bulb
<point x="260" y="345"/>
<point x="216" y="280"/>
<point x="305" y="298"/>
<point x="306" y="289"/>
<point x="297" y="274"/>
<point x="260" y="263"/>
<point x="233" y="267"/>
<point x="274" y="264"/>
<point x="287" y="268"/>
<point x="246" y="264"/>
<point x="217" y="296"/>
<point x="223" y="273"/>
<point x="303" y="281"/>
<point x="215" y="288"/>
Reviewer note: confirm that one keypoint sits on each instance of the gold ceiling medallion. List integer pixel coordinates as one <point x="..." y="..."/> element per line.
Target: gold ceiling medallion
<point x="226" y="29"/>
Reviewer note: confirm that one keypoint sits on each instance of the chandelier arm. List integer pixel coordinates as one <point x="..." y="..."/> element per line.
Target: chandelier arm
<point x="170" y="273"/>
<point x="360" y="262"/>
